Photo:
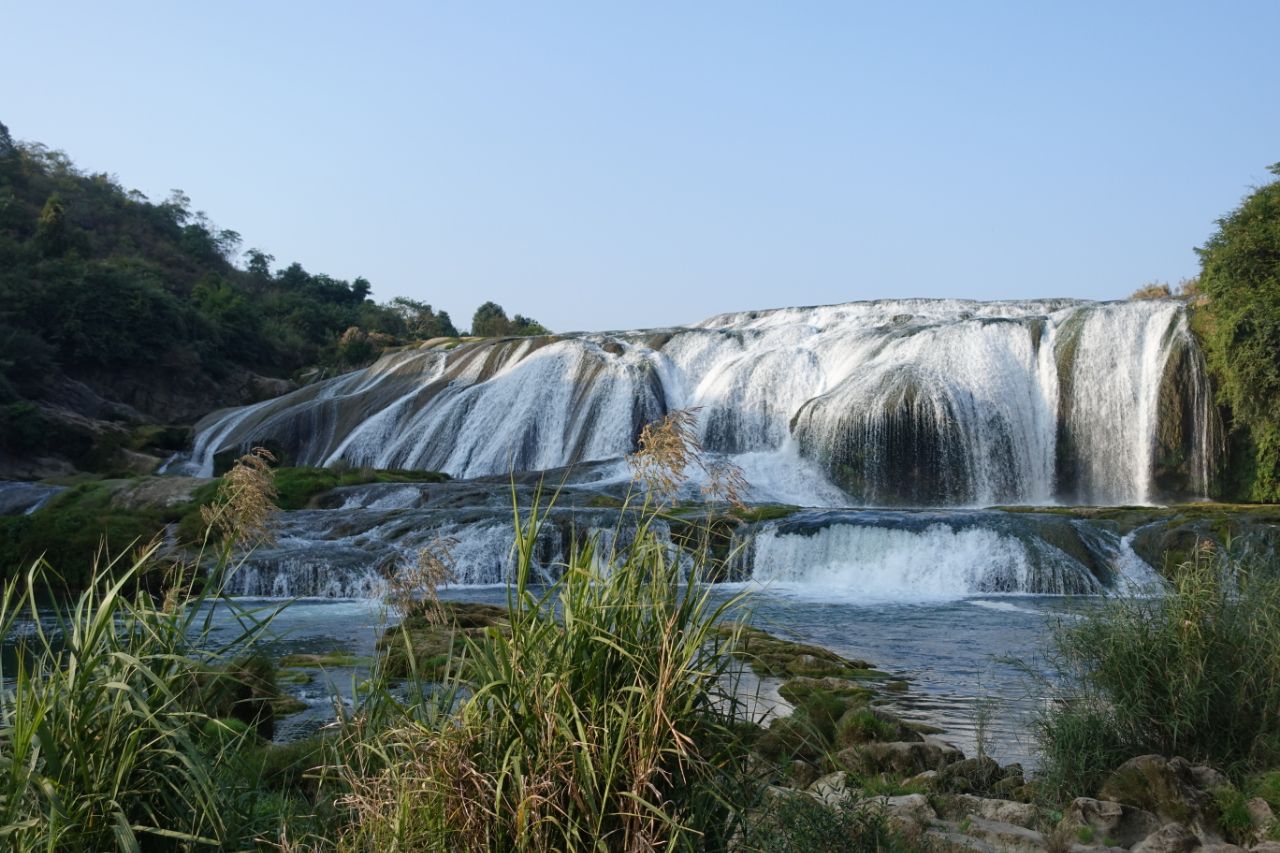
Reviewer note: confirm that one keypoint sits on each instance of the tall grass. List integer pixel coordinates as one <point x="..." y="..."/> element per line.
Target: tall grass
<point x="604" y="718"/>
<point x="1195" y="672"/>
<point x="104" y="742"/>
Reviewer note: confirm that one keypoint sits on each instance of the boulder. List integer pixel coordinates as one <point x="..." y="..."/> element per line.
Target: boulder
<point x="1005" y="836"/>
<point x="960" y="806"/>
<point x="1170" y="788"/>
<point x="910" y="812"/>
<point x="833" y="788"/>
<point x="1261" y="814"/>
<point x="1126" y="825"/>
<point x="1170" y="838"/>
<point x="801" y="774"/>
<point x="969" y="775"/>
<point x="899" y="757"/>
<point x="923" y="780"/>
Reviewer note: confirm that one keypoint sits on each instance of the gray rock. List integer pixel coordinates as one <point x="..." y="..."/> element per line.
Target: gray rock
<point x="1261" y="814"/>
<point x="969" y="775"/>
<point x="910" y="811"/>
<point x="1004" y="811"/>
<point x="1170" y="838"/>
<point x="1266" y="847"/>
<point x="1126" y="825"/>
<point x="801" y="774"/>
<point x="924" y="780"/>
<point x="832" y="788"/>
<point x="896" y="757"/>
<point x="1170" y="788"/>
<point x="157" y="492"/>
<point x="953" y="839"/>
<point x="1005" y="836"/>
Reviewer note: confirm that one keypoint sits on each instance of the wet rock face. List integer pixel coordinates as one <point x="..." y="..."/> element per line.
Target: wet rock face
<point x="908" y="451"/>
<point x="1188" y="439"/>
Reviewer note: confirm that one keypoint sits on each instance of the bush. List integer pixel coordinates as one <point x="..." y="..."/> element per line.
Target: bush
<point x="800" y="824"/>
<point x="1195" y="673"/>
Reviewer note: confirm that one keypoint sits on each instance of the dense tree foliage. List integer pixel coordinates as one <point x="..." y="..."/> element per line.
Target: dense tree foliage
<point x="101" y="285"/>
<point x="491" y="321"/>
<point x="94" y="277"/>
<point x="1240" y="280"/>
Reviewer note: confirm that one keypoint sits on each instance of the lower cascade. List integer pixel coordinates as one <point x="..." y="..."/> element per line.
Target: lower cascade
<point x="925" y="403"/>
<point x="368" y="533"/>
<point x="896" y="556"/>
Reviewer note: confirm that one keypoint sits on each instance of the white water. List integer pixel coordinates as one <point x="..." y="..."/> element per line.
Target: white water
<point x="910" y="402"/>
<point x="885" y="556"/>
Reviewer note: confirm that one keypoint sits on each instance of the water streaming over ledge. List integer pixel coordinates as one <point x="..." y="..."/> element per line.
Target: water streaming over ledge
<point x="347" y="547"/>
<point x="888" y="403"/>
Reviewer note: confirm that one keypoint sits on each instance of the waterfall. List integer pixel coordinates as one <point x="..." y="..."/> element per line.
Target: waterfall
<point x="887" y="555"/>
<point x="887" y="403"/>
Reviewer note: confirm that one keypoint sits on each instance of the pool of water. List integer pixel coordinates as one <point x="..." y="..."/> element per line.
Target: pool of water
<point x="966" y="660"/>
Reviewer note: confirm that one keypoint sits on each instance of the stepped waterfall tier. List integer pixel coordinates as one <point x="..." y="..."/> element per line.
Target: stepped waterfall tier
<point x="909" y="403"/>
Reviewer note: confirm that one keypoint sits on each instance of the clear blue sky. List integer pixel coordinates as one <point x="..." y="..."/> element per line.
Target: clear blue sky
<point x="605" y="165"/>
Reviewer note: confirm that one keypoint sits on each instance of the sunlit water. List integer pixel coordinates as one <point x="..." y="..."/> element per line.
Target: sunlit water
<point x="958" y="656"/>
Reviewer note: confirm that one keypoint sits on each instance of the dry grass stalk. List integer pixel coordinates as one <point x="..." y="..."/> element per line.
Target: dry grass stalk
<point x="668" y="448"/>
<point x="414" y="588"/>
<point x="245" y="505"/>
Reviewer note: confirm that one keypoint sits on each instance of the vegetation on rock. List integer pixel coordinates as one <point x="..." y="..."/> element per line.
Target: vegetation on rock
<point x="1240" y="280"/>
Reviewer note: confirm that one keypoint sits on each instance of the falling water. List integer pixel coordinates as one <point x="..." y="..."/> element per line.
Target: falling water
<point x="890" y="403"/>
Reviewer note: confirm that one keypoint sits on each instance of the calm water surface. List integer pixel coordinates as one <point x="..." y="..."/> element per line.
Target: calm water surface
<point x="965" y="660"/>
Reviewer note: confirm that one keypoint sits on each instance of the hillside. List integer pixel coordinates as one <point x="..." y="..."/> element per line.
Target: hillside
<point x="122" y="319"/>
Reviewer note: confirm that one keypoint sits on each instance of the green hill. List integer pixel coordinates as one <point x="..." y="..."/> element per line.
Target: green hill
<point x="120" y="315"/>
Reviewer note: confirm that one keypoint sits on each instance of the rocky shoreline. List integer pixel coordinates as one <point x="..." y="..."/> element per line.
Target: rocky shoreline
<point x="839" y="743"/>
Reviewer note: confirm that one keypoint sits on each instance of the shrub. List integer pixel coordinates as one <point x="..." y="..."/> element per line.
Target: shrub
<point x="1195" y="672"/>
<point x="800" y="824"/>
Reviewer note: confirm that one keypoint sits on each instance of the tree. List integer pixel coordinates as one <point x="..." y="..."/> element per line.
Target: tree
<point x="360" y="289"/>
<point x="52" y="237"/>
<point x="490" y="321"/>
<point x="445" y="325"/>
<point x="178" y="206"/>
<point x="259" y="265"/>
<point x="1240" y="279"/>
<point x="522" y="325"/>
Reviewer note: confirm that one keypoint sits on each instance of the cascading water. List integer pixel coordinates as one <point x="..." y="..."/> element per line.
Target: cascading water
<point x="897" y="555"/>
<point x="909" y="402"/>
